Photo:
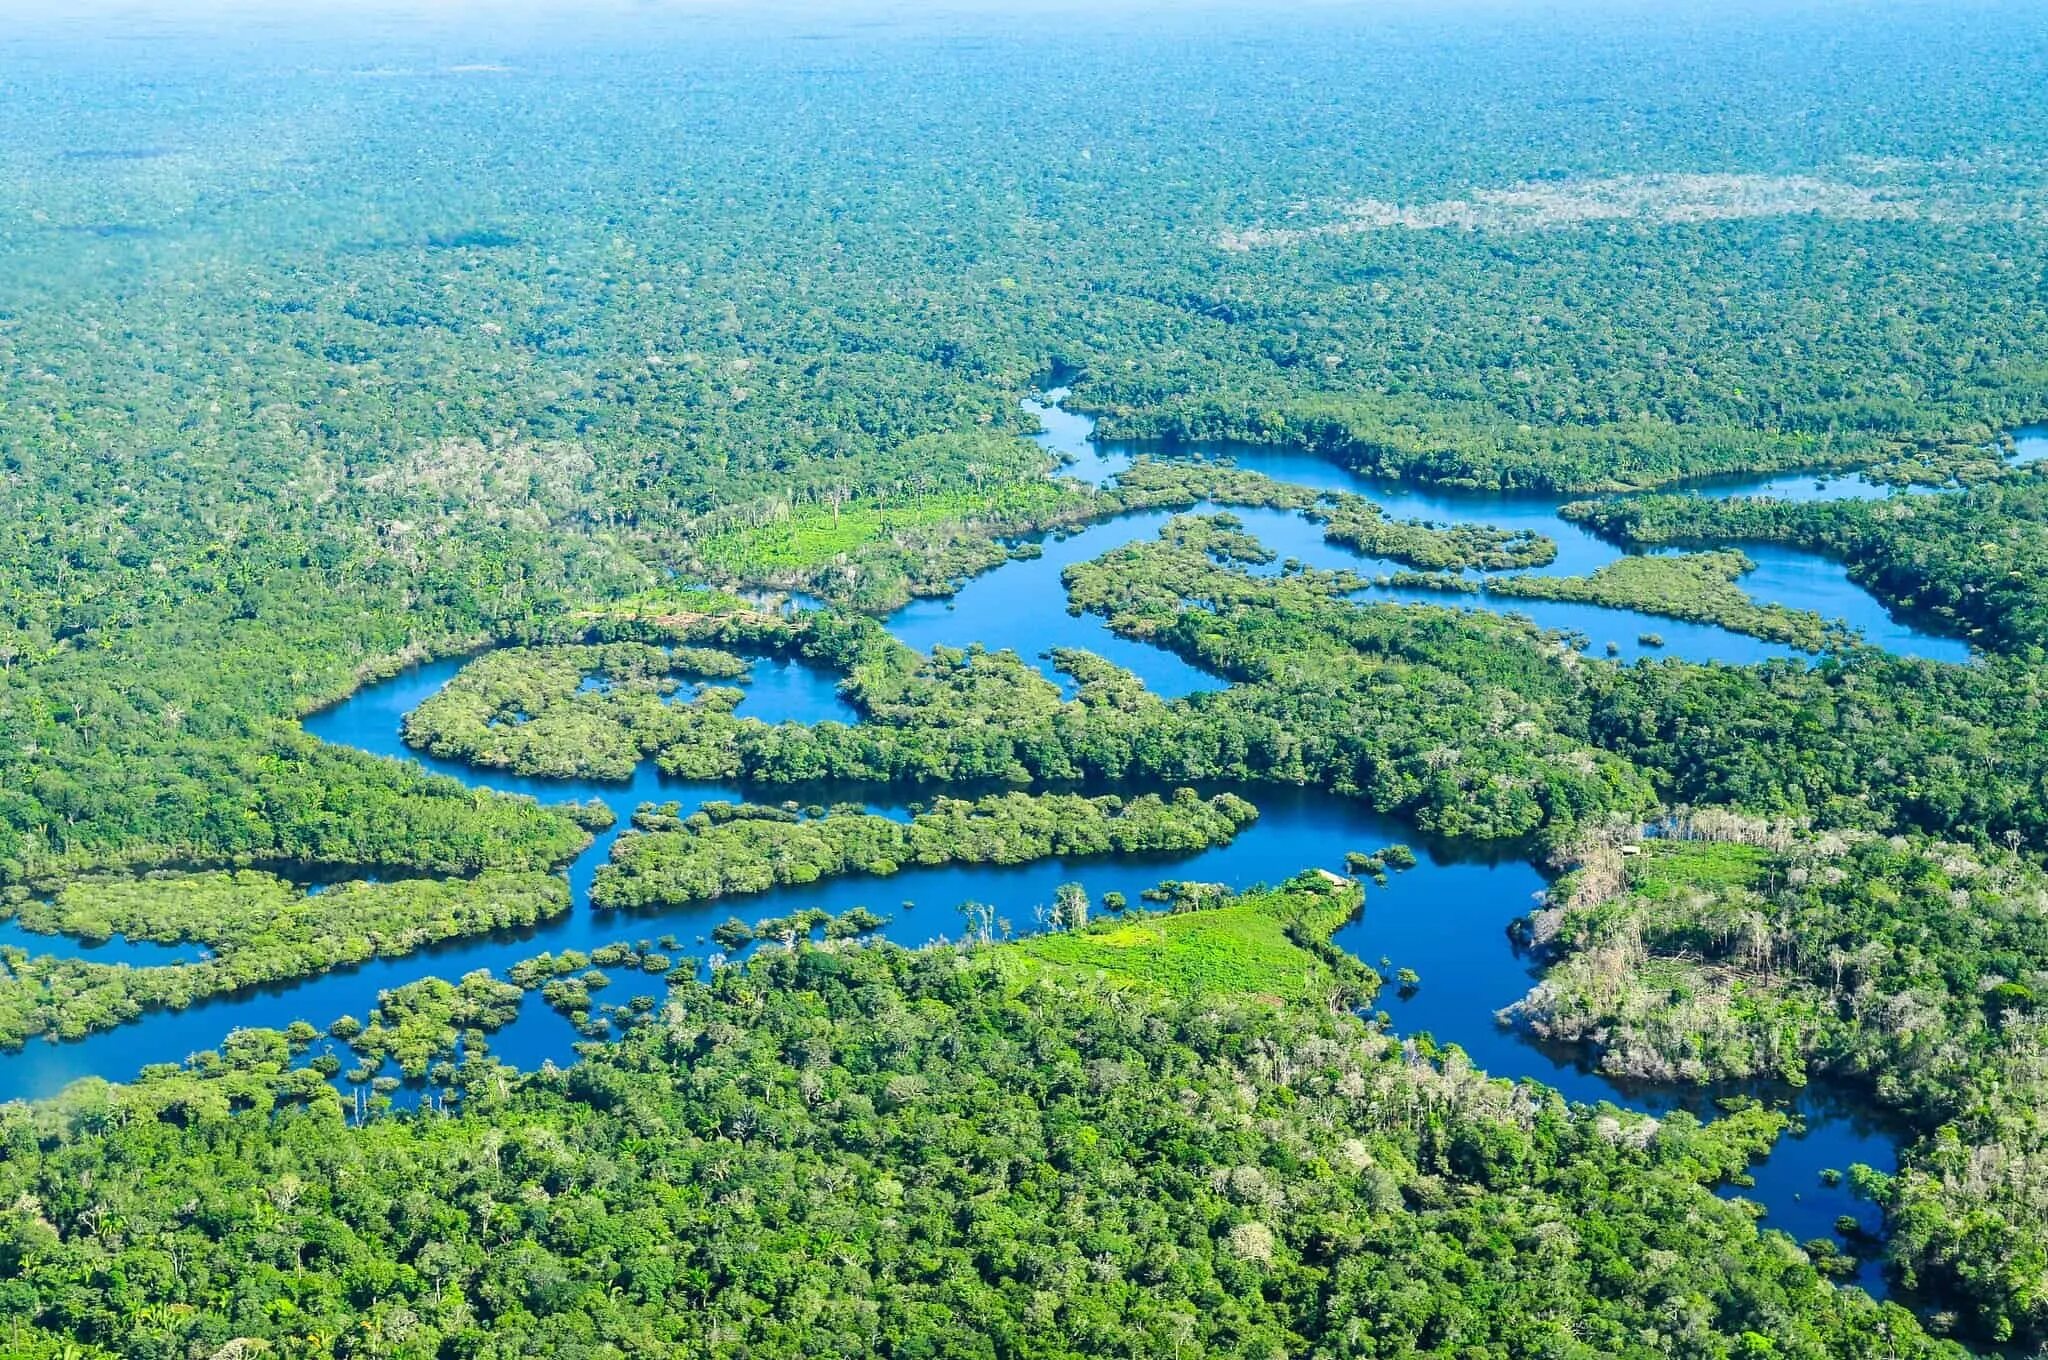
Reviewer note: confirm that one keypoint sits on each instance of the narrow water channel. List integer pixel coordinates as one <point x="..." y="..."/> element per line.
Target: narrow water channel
<point x="1446" y="919"/>
<point x="1783" y="576"/>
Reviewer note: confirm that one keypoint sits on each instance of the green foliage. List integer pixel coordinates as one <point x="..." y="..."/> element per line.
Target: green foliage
<point x="1377" y="862"/>
<point x="1908" y="966"/>
<point x="258" y="929"/>
<point x="745" y="851"/>
<point x="1144" y="1166"/>
<point x="418" y="1023"/>
<point x="1860" y="740"/>
<point x="256" y="493"/>
<point x="1974" y="561"/>
<point x="566" y="711"/>
<point x="275" y="422"/>
<point x="1698" y="587"/>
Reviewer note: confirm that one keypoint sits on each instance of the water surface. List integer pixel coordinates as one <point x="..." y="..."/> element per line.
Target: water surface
<point x="1446" y="919"/>
<point x="1783" y="575"/>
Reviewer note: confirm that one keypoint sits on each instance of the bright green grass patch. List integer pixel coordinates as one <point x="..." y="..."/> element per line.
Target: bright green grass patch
<point x="813" y="536"/>
<point x="1271" y="944"/>
<point x="1667" y="867"/>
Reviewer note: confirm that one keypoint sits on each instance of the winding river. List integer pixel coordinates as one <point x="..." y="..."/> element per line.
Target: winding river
<point x="1445" y="919"/>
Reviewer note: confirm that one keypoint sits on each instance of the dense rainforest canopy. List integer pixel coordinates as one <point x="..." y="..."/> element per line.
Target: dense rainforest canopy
<point x="323" y="354"/>
<point x="1025" y="1149"/>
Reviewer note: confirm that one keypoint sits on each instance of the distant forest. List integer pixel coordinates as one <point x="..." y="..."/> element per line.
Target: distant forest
<point x="323" y="354"/>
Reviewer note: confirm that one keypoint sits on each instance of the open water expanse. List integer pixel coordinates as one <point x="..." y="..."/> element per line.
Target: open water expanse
<point x="1446" y="919"/>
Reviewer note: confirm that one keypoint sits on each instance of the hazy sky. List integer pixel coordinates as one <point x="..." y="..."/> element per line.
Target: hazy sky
<point x="368" y="15"/>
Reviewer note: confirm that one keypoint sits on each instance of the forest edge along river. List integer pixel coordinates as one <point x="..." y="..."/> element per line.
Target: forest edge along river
<point x="1446" y="919"/>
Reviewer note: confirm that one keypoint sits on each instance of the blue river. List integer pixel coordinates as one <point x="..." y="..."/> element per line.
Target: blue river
<point x="1446" y="919"/>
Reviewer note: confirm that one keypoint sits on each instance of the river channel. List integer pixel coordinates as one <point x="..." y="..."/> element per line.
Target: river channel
<point x="1446" y="919"/>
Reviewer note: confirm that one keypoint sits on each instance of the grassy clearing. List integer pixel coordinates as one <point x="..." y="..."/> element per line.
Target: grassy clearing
<point x="1667" y="867"/>
<point x="1270" y="944"/>
<point x="809" y="536"/>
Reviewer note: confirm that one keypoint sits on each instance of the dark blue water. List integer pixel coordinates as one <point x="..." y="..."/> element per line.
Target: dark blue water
<point x="1446" y="919"/>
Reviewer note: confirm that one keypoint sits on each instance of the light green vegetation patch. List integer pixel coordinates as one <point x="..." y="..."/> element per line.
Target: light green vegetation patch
<point x="1272" y="944"/>
<point x="813" y="536"/>
<point x="872" y="543"/>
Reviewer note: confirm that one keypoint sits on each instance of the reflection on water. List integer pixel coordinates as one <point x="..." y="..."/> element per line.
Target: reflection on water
<point x="115" y="949"/>
<point x="781" y="690"/>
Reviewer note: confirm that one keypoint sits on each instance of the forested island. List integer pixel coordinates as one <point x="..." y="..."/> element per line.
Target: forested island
<point x="751" y="684"/>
